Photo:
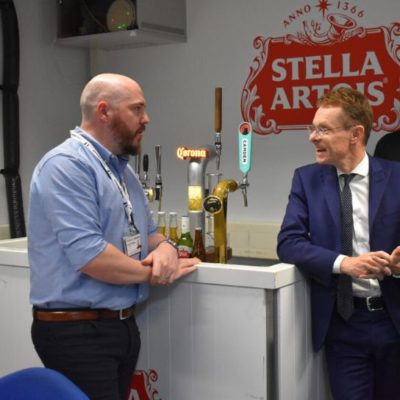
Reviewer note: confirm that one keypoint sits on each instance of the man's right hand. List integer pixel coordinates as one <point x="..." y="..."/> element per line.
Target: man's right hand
<point x="369" y="265"/>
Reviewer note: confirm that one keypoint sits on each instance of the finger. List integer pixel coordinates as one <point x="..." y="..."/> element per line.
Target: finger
<point x="381" y="260"/>
<point x="188" y="262"/>
<point x="387" y="271"/>
<point x="396" y="251"/>
<point x="159" y="282"/>
<point x="156" y="271"/>
<point x="148" y="260"/>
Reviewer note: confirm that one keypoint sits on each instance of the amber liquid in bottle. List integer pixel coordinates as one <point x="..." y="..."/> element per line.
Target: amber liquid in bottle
<point x="173" y="227"/>
<point x="161" y="224"/>
<point x="199" y="250"/>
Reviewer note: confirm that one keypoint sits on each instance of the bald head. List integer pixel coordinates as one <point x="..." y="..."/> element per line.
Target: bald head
<point x="111" y="88"/>
<point x="114" y="113"/>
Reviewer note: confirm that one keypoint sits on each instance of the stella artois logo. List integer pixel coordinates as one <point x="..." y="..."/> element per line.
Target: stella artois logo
<point x="329" y="49"/>
<point x="141" y="385"/>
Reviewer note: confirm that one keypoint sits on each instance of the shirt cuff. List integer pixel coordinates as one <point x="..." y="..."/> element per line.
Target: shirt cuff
<point x="336" y="264"/>
<point x="396" y="276"/>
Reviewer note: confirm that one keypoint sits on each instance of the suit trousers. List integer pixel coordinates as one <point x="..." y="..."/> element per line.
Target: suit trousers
<point x="363" y="356"/>
<point x="98" y="356"/>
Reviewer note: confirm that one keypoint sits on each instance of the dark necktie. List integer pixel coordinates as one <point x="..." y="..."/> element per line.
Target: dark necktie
<point x="345" y="304"/>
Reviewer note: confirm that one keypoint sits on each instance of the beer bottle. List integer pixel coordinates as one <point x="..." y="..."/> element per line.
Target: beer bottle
<point x="198" y="247"/>
<point x="185" y="242"/>
<point x="161" y="224"/>
<point x="173" y="227"/>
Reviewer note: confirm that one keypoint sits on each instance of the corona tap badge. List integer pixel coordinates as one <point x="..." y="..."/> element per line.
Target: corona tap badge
<point x="327" y="47"/>
<point x="184" y="153"/>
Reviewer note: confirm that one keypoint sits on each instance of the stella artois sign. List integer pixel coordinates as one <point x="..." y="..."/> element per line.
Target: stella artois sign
<point x="330" y="49"/>
<point x="142" y="385"/>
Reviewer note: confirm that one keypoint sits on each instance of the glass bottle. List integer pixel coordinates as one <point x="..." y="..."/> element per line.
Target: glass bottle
<point x="161" y="223"/>
<point x="209" y="236"/>
<point x="198" y="247"/>
<point x="185" y="242"/>
<point x="173" y="226"/>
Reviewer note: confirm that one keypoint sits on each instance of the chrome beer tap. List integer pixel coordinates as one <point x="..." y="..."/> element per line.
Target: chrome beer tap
<point x="158" y="181"/>
<point x="218" y="124"/>
<point x="148" y="190"/>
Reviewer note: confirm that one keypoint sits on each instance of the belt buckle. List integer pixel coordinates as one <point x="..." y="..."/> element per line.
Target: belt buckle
<point x="126" y="312"/>
<point x="370" y="305"/>
<point x="121" y="315"/>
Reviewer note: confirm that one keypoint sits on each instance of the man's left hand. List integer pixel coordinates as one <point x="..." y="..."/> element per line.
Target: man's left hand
<point x="395" y="261"/>
<point x="164" y="262"/>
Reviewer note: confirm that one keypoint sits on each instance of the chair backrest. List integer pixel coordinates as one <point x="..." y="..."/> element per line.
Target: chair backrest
<point x="388" y="146"/>
<point x="39" y="384"/>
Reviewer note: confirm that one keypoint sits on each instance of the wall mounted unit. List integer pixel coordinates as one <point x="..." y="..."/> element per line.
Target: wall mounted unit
<point x="111" y="24"/>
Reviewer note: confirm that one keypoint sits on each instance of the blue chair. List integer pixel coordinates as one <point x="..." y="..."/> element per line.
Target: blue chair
<point x="39" y="384"/>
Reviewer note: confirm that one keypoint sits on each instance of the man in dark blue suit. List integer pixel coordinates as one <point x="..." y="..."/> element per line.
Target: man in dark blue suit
<point x="362" y="343"/>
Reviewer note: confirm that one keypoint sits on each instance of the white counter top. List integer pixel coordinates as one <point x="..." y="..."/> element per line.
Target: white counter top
<point x="13" y="252"/>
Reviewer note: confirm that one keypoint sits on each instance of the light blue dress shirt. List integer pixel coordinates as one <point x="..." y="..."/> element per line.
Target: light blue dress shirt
<point x="75" y="210"/>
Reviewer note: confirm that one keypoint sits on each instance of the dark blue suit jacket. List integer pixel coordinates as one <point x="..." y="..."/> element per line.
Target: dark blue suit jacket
<point x="310" y="233"/>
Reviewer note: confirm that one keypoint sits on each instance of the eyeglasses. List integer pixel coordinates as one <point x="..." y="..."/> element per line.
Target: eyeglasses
<point x="321" y="131"/>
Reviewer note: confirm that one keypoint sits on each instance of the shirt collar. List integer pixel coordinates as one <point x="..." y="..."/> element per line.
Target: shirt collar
<point x="120" y="162"/>
<point x="361" y="169"/>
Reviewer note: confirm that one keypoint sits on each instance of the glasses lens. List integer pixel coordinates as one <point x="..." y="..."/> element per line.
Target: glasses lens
<point x="311" y="129"/>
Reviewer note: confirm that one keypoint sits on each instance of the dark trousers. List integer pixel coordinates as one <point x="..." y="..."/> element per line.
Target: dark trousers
<point x="363" y="357"/>
<point x="98" y="356"/>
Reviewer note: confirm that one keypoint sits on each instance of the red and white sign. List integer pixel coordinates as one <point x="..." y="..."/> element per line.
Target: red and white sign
<point x="141" y="385"/>
<point x="328" y="51"/>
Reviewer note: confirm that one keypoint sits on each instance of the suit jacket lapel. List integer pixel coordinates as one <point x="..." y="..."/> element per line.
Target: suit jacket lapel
<point x="378" y="179"/>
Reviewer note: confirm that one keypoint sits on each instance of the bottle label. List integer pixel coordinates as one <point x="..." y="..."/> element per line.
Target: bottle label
<point x="184" y="251"/>
<point x="185" y="224"/>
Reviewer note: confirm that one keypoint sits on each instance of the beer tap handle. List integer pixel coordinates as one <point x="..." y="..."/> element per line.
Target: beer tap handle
<point x="245" y="142"/>
<point x="158" y="182"/>
<point x="218" y="124"/>
<point x="145" y="169"/>
<point x="148" y="190"/>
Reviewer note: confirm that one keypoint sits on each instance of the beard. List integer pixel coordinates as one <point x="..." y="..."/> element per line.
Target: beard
<point x="125" y="137"/>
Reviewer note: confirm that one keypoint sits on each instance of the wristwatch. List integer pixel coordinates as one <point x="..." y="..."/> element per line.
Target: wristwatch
<point x="169" y="241"/>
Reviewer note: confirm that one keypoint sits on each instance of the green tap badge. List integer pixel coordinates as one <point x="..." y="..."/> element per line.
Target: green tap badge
<point x="245" y="139"/>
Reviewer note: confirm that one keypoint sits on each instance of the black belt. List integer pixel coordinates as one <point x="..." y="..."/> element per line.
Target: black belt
<point x="81" y="314"/>
<point x="369" y="303"/>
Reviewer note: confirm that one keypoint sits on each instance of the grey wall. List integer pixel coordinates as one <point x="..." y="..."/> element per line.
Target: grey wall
<point x="178" y="81"/>
<point x="51" y="78"/>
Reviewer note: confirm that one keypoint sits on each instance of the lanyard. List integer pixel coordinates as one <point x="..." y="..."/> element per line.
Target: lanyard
<point x="120" y="185"/>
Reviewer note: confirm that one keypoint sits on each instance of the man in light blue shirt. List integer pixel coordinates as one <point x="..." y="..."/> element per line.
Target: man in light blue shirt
<point x="92" y="244"/>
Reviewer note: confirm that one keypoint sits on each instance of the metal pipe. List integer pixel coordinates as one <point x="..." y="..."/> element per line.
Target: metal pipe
<point x="196" y="180"/>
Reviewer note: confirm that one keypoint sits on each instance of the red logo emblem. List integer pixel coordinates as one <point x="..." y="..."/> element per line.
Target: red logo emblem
<point x="292" y="72"/>
<point x="141" y="385"/>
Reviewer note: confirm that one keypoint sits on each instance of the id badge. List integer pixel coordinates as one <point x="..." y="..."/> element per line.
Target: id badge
<point x="132" y="242"/>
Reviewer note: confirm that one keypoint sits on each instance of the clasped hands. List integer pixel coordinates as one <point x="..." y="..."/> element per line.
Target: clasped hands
<point x="376" y="264"/>
<point x="166" y="266"/>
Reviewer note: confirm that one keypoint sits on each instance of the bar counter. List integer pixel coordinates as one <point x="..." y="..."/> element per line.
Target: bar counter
<point x="226" y="331"/>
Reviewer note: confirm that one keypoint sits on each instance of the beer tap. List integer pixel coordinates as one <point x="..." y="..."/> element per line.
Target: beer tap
<point x="158" y="181"/>
<point x="245" y="141"/>
<point x="148" y="190"/>
<point x="218" y="124"/>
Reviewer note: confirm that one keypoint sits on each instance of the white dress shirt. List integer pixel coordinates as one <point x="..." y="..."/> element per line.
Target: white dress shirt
<point x="359" y="186"/>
